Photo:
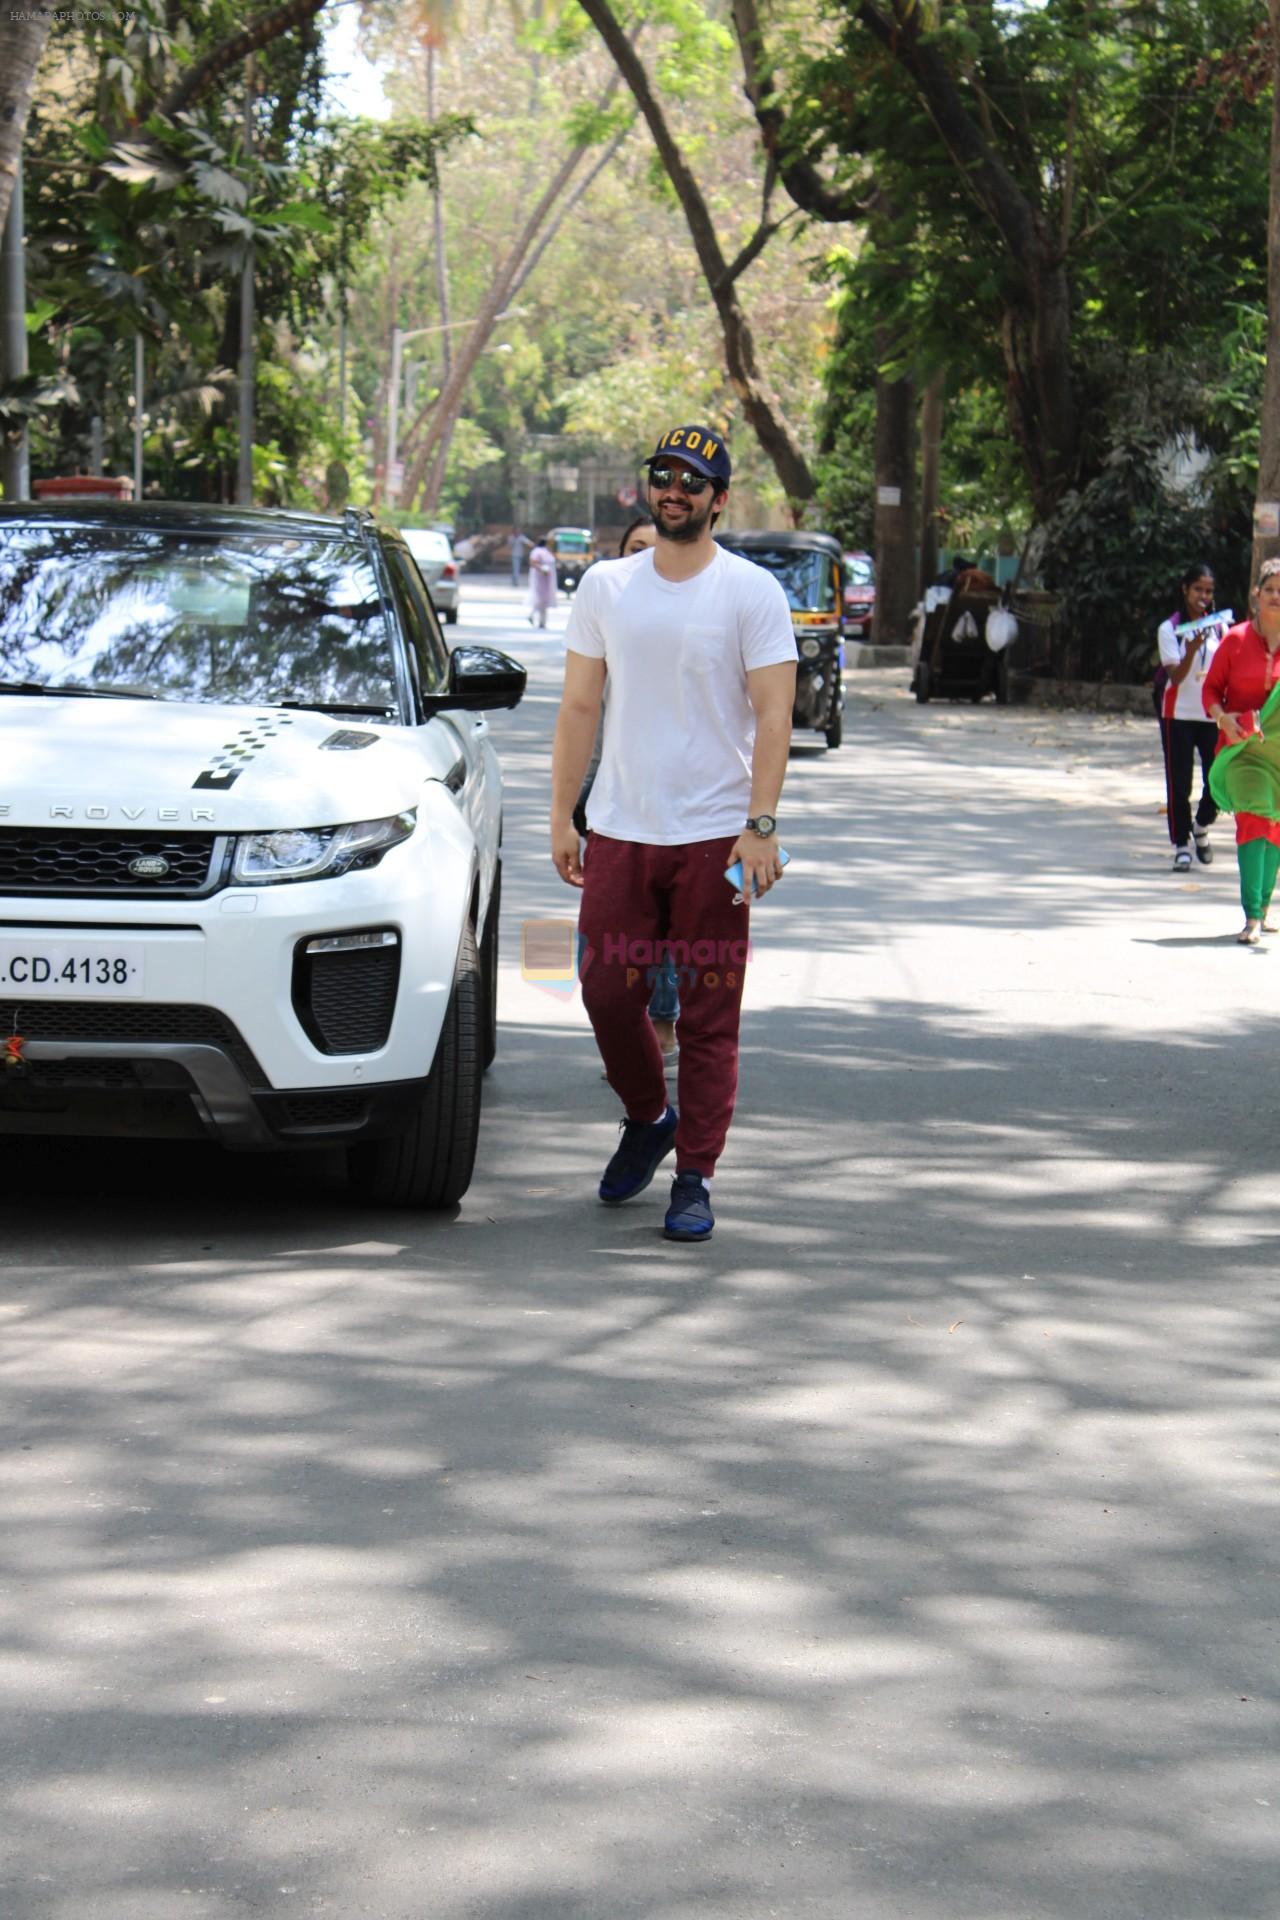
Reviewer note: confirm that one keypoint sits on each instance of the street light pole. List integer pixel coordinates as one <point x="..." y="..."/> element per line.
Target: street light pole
<point x="398" y="337"/>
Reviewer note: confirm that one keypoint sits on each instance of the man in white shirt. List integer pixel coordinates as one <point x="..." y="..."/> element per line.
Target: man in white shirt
<point x="701" y="661"/>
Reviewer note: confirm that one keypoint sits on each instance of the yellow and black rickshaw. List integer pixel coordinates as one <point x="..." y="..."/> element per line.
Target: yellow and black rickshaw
<point x="809" y="567"/>
<point x="574" y="549"/>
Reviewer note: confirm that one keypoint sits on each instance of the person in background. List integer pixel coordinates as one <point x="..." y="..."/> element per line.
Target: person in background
<point x="542" y="582"/>
<point x="1243" y="672"/>
<point x="519" y="541"/>
<point x="1184" y="731"/>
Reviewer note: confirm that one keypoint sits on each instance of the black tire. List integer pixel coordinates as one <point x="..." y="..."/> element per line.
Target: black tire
<point x="489" y="973"/>
<point x="835" y="732"/>
<point x="923" y="688"/>
<point x="430" y="1162"/>
<point x="451" y="617"/>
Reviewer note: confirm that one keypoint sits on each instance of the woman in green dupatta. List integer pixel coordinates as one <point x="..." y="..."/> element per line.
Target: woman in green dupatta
<point x="1242" y="694"/>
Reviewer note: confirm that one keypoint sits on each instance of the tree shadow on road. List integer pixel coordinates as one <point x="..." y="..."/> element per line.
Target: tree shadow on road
<point x="901" y="1553"/>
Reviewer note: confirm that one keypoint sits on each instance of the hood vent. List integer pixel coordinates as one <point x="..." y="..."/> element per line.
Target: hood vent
<point x="348" y="740"/>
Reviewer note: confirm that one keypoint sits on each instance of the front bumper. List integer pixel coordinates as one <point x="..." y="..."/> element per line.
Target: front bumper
<point x="187" y="1090"/>
<point x="240" y="1032"/>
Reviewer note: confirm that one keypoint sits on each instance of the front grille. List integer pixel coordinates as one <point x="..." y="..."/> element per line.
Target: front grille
<point x="346" y="1000"/>
<point x="53" y="860"/>
<point x="157" y="1024"/>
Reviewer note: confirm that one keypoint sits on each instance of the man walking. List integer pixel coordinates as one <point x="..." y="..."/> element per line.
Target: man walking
<point x="701" y="662"/>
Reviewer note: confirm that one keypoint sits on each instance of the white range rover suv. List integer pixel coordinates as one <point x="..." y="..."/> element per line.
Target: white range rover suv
<point x="250" y="840"/>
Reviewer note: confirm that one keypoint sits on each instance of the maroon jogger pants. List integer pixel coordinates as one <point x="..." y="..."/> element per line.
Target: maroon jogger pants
<point x="636" y="901"/>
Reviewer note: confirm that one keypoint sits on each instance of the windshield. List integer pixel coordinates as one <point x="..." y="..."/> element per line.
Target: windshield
<point x="570" y="541"/>
<point x="426" y="546"/>
<point x="859" y="571"/>
<point x="248" y="618"/>
<point x="806" y="576"/>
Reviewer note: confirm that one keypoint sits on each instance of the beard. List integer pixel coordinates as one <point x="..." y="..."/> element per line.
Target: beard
<point x="690" y="527"/>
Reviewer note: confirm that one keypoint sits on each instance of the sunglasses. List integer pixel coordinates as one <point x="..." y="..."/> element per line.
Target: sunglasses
<point x="691" y="483"/>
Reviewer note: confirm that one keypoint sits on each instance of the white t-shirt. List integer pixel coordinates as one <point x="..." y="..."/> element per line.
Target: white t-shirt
<point x="1185" y="702"/>
<point x="678" y="727"/>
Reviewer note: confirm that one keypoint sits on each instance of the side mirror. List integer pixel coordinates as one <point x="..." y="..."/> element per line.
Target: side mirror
<point x="481" y="680"/>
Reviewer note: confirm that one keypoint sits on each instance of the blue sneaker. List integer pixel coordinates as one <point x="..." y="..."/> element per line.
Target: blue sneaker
<point x="641" y="1150"/>
<point x="689" y="1217"/>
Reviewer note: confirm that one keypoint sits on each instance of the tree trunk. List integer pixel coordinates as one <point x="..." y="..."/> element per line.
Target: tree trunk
<point x="426" y="466"/>
<point x="1036" y="330"/>
<point x="930" y="461"/>
<point x="895" y="451"/>
<point x="23" y="32"/>
<point x="760" y="405"/>
<point x="1036" y="316"/>
<point x="1265" y="542"/>
<point x="259" y="33"/>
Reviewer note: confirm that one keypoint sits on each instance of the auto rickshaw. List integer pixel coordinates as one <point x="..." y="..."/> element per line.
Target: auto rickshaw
<point x="574" y="549"/>
<point x="809" y="567"/>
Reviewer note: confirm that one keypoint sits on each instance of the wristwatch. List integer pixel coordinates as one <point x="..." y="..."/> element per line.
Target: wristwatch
<point x="764" y="824"/>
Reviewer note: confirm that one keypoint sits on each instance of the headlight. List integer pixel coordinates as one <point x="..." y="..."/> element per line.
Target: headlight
<point x="316" y="853"/>
<point x="810" y="649"/>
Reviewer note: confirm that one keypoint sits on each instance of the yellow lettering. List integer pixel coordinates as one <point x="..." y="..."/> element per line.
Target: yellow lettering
<point x="710" y="449"/>
<point x="677" y="438"/>
<point x="694" y="442"/>
<point x="711" y="979"/>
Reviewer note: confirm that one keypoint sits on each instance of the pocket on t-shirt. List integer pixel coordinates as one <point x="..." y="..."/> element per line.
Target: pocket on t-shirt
<point x="705" y="646"/>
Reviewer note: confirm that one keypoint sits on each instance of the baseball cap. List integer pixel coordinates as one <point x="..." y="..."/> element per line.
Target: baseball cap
<point x="695" y="447"/>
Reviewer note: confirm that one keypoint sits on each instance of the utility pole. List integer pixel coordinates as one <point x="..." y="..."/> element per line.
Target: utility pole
<point x="930" y="462"/>
<point x="342" y="365"/>
<point x="244" y="467"/>
<point x="13" y="273"/>
<point x="139" y="371"/>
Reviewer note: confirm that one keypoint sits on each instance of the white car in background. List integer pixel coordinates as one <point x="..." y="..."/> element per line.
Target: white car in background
<point x="435" y="562"/>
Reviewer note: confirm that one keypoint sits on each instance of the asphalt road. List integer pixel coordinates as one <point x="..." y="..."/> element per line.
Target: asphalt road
<point x="907" y="1553"/>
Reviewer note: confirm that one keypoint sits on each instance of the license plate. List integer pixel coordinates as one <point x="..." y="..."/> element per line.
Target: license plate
<point x="38" y="968"/>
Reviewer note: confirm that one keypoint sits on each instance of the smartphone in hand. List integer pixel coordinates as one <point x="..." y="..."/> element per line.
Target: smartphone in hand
<point x="733" y="874"/>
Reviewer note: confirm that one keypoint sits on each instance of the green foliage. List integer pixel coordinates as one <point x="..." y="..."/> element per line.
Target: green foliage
<point x="138" y="223"/>
<point x="1115" y="549"/>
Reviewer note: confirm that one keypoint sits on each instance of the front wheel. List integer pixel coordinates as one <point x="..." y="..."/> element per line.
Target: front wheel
<point x="835" y="732"/>
<point x="451" y="617"/>
<point x="923" y="688"/>
<point x="429" y="1163"/>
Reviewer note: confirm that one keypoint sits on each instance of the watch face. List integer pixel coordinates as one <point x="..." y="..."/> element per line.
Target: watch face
<point x="765" y="824"/>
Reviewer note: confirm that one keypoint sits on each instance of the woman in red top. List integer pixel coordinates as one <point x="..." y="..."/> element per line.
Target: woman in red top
<point x="1245" y="669"/>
